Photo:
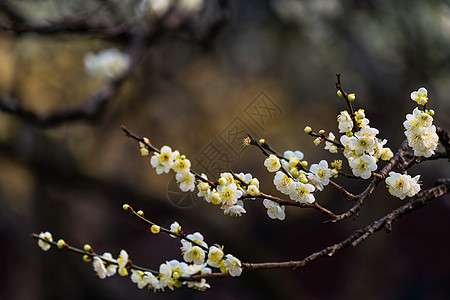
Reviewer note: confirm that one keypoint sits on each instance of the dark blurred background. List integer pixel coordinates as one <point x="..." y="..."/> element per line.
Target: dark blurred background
<point x="277" y="58"/>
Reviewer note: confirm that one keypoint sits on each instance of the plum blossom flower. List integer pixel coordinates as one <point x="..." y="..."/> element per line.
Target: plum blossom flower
<point x="195" y="254"/>
<point x="283" y="183"/>
<point x="345" y="122"/>
<point x="330" y="146"/>
<point x="111" y="62"/>
<point x="142" y="279"/>
<point x="420" y="132"/>
<point x="274" y="210"/>
<point x="154" y="7"/>
<point x="320" y="174"/>
<point x="232" y="265"/>
<point x="363" y="166"/>
<point x="122" y="261"/>
<point x="302" y="192"/>
<point x="402" y="185"/>
<point x="272" y="163"/>
<point x="215" y="256"/>
<point x="45" y="235"/>
<point x="190" y="6"/>
<point x="181" y="165"/>
<point x="186" y="181"/>
<point x="420" y="96"/>
<point x="164" y="160"/>
<point x="102" y="267"/>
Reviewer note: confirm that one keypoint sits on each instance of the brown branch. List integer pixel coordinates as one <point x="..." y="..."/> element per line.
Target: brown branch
<point x="371" y="187"/>
<point x="91" y="108"/>
<point x="341" y="189"/>
<point x="356" y="238"/>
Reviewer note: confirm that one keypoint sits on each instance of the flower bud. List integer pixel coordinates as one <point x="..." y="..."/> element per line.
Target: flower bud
<point x="126" y="207"/>
<point x="303" y="178"/>
<point x="304" y="163"/>
<point x="87" y="248"/>
<point x="87" y="258"/>
<point x="351" y="97"/>
<point x="155" y="229"/>
<point x="294" y="172"/>
<point x="140" y="213"/>
<point x="321" y="131"/>
<point x="61" y="244"/>
<point x="222" y="181"/>
<point x="308" y="129"/>
<point x="339" y="93"/>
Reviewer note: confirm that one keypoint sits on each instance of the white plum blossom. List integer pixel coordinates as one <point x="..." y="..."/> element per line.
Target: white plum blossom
<point x="45" y="235"/>
<point x="190" y="6"/>
<point x="284" y="183"/>
<point x="102" y="268"/>
<point x="302" y="192"/>
<point x="365" y="140"/>
<point x="345" y="122"/>
<point x="181" y="165"/>
<point x="111" y="62"/>
<point x="175" y="228"/>
<point x="402" y="185"/>
<point x="122" y="261"/>
<point x="198" y="285"/>
<point x="272" y="163"/>
<point x="199" y="269"/>
<point x="420" y="132"/>
<point x="164" y="160"/>
<point x="196" y="237"/>
<point x="232" y="265"/>
<point x="274" y="210"/>
<point x="330" y="146"/>
<point x="215" y="256"/>
<point x="420" y="96"/>
<point x="195" y="254"/>
<point x="215" y="198"/>
<point x="99" y="267"/>
<point x="154" y="7"/>
<point x="142" y="279"/>
<point x="363" y="166"/>
<point x="186" y="181"/>
<point x="320" y="174"/>
<point x="165" y="276"/>
<point x="229" y="193"/>
<point x="288" y="154"/>
<point x="235" y="210"/>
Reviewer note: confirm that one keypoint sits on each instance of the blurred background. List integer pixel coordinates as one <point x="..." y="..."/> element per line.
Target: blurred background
<point x="269" y="69"/>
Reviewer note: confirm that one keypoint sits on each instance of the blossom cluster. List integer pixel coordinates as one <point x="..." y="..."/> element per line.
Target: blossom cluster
<point x="402" y="185"/>
<point x="362" y="148"/>
<point x="419" y="128"/>
<point x="293" y="179"/>
<point x="166" y="160"/>
<point x="226" y="191"/>
<point x="194" y="249"/>
<point x="159" y="8"/>
<point x="111" y="63"/>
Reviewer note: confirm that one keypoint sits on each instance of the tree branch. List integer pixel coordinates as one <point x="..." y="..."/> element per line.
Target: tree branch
<point x="356" y="238"/>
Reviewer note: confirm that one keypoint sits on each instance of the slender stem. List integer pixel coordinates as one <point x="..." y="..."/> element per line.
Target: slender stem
<point x="91" y="254"/>
<point x="165" y="230"/>
<point x="149" y="146"/>
<point x="349" y="104"/>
